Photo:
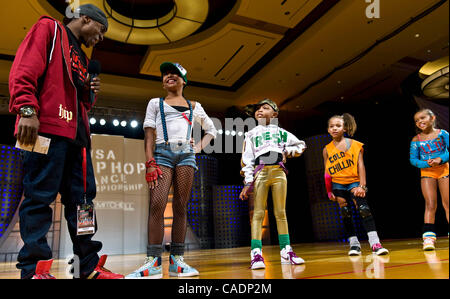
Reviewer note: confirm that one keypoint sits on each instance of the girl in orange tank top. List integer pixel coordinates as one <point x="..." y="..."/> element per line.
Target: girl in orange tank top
<point x="345" y="180"/>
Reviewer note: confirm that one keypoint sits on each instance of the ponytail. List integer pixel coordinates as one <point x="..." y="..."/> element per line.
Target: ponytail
<point x="349" y="124"/>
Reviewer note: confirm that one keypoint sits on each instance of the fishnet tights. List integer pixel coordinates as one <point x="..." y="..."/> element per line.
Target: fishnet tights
<point x="181" y="178"/>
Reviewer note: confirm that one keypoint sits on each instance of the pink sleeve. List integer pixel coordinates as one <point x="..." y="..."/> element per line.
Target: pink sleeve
<point x="328" y="184"/>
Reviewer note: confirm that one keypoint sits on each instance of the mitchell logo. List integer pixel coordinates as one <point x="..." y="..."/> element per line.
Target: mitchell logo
<point x="65" y="114"/>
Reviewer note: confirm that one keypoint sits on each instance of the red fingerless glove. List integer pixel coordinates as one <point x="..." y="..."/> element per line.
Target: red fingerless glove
<point x="328" y="184"/>
<point x="152" y="176"/>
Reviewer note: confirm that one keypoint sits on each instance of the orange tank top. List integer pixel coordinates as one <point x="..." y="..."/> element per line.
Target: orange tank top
<point x="343" y="166"/>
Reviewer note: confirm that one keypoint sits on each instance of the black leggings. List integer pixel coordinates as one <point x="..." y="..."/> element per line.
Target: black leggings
<point x="362" y="207"/>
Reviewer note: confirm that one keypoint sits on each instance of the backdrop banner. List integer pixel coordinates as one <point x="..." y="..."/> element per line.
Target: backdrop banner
<point x="122" y="196"/>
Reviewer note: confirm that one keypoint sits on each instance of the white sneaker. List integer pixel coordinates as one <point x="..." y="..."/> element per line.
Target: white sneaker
<point x="429" y="243"/>
<point x="288" y="256"/>
<point x="379" y="250"/>
<point x="257" y="259"/>
<point x="355" y="251"/>
<point x="429" y="240"/>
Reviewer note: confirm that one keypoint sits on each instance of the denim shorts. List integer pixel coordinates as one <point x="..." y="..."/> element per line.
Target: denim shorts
<point x="173" y="155"/>
<point x="346" y="187"/>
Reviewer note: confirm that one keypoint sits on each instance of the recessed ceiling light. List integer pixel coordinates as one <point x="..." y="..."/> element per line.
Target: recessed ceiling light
<point x="417" y="35"/>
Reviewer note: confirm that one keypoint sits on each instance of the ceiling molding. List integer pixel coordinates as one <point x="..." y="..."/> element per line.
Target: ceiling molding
<point x="283" y="13"/>
<point x="435" y="86"/>
<point x="221" y="59"/>
<point x="186" y="17"/>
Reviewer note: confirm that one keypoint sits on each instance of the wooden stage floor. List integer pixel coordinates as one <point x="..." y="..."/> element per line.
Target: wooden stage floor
<point x="323" y="261"/>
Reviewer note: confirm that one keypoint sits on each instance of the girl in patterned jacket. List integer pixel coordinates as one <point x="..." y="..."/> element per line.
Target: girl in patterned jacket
<point x="429" y="153"/>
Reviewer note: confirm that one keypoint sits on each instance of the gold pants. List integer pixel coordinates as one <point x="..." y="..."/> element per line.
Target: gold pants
<point x="273" y="177"/>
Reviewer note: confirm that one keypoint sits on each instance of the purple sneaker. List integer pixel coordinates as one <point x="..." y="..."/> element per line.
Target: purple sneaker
<point x="257" y="259"/>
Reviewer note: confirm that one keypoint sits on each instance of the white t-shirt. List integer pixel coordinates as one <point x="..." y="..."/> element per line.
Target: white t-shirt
<point x="176" y="123"/>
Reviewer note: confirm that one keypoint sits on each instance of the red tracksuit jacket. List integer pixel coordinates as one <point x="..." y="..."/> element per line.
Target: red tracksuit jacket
<point x="41" y="77"/>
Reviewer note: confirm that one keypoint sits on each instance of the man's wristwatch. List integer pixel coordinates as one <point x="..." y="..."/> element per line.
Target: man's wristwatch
<point x="27" y="111"/>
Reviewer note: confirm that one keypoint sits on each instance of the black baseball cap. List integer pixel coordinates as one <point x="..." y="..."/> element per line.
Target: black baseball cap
<point x="92" y="12"/>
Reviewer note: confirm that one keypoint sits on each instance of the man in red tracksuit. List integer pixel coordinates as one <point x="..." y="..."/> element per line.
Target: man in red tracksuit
<point x="50" y="91"/>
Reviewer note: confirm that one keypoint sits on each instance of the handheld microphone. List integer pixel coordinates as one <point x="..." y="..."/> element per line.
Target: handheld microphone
<point x="94" y="69"/>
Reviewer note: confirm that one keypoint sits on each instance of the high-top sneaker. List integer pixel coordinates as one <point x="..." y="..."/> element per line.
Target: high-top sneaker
<point x="257" y="259"/>
<point x="288" y="256"/>
<point x="102" y="273"/>
<point x="43" y="270"/>
<point x="179" y="268"/>
<point x="151" y="269"/>
<point x="429" y="240"/>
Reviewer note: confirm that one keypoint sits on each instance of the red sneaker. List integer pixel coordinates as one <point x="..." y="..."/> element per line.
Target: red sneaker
<point x="102" y="273"/>
<point x="43" y="270"/>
